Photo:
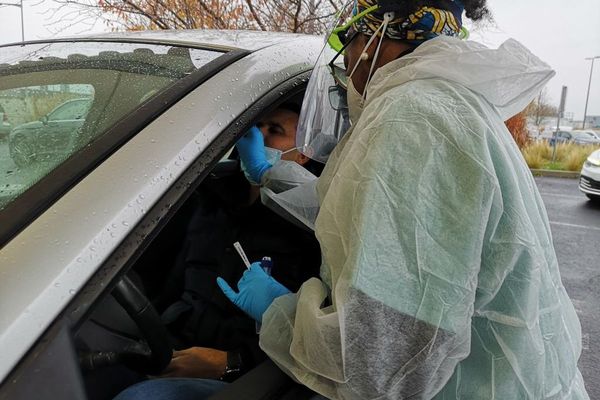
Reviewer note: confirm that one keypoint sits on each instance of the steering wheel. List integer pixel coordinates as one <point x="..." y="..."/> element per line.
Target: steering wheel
<point x="149" y="356"/>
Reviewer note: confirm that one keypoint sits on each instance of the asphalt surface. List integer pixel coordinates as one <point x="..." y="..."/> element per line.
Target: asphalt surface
<point x="575" y="224"/>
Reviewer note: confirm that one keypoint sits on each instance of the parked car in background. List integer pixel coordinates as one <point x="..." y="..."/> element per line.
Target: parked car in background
<point x="585" y="137"/>
<point x="50" y="138"/>
<point x="155" y="115"/>
<point x="576" y="136"/>
<point x="560" y="136"/>
<point x="589" y="180"/>
<point x="5" y="126"/>
<point x="589" y="132"/>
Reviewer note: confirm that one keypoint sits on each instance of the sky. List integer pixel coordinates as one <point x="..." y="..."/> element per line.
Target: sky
<point x="561" y="33"/>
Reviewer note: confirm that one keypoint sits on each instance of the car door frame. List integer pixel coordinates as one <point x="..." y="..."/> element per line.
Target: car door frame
<point x="55" y="346"/>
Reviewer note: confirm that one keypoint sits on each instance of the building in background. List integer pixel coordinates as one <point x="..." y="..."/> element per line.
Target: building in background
<point x="592" y="121"/>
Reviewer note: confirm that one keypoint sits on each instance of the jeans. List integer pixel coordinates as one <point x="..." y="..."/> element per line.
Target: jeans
<point x="176" y="389"/>
<point x="172" y="389"/>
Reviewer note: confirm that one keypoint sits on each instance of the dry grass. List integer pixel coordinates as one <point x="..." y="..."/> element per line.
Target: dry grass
<point x="569" y="156"/>
<point x="533" y="156"/>
<point x="563" y="150"/>
<point x="575" y="159"/>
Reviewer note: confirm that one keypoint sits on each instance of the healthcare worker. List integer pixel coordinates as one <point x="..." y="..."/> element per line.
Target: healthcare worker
<point x="439" y="279"/>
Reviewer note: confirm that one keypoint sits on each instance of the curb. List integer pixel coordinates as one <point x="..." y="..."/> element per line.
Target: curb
<point x="555" y="174"/>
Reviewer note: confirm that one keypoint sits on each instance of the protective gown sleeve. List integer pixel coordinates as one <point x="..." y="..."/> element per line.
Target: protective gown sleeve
<point x="289" y="190"/>
<point x="401" y="227"/>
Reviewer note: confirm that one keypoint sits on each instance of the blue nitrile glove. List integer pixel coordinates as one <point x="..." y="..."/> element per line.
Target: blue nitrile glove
<point x="257" y="290"/>
<point x="251" y="148"/>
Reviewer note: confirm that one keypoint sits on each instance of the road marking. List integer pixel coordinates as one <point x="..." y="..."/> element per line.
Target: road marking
<point x="568" y="196"/>
<point x="593" y="228"/>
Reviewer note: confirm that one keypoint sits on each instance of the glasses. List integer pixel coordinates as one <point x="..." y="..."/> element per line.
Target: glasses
<point x="339" y="73"/>
<point x="339" y="39"/>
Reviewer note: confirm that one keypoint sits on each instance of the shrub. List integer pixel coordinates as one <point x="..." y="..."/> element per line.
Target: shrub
<point x="533" y="155"/>
<point x="517" y="127"/>
<point x="563" y="150"/>
<point x="569" y="156"/>
<point x="575" y="159"/>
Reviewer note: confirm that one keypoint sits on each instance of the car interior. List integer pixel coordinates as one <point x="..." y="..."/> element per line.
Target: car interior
<point x="124" y="338"/>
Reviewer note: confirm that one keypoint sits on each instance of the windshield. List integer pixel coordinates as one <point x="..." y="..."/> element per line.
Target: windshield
<point x="56" y="98"/>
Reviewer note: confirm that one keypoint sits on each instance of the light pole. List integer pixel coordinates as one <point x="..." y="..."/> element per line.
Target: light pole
<point x="588" y="89"/>
<point x="20" y="5"/>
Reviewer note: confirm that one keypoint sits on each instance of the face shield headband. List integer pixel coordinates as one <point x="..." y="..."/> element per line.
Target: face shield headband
<point x="425" y="23"/>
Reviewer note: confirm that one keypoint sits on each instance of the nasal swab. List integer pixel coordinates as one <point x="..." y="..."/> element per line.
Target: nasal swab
<point x="240" y="251"/>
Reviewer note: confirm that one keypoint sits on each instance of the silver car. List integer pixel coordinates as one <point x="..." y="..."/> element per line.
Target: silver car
<point x="589" y="179"/>
<point x="90" y="194"/>
<point x="5" y="125"/>
<point x="585" y="137"/>
<point x="50" y="138"/>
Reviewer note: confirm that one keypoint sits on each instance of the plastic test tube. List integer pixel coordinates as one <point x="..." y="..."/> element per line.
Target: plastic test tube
<point x="267" y="265"/>
<point x="240" y="251"/>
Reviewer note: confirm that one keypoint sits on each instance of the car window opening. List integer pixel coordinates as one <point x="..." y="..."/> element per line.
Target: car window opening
<point x="177" y="273"/>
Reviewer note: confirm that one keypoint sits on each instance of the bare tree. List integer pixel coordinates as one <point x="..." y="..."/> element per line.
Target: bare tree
<point x="540" y="108"/>
<point x="307" y="16"/>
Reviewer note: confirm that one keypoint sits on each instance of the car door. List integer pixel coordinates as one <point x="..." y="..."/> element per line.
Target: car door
<point x="565" y="136"/>
<point x="55" y="229"/>
<point x="62" y="126"/>
<point x="141" y="220"/>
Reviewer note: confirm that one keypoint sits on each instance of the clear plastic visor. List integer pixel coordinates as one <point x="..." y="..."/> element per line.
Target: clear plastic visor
<point x="324" y="113"/>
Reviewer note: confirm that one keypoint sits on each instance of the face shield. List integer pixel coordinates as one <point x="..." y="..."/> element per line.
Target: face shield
<point x="324" y="117"/>
<point x="324" y="113"/>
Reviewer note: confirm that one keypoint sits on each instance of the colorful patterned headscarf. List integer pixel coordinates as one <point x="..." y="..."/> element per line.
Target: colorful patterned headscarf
<point x="424" y="24"/>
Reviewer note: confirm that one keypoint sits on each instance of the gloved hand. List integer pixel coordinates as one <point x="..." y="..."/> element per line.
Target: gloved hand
<point x="251" y="148"/>
<point x="257" y="290"/>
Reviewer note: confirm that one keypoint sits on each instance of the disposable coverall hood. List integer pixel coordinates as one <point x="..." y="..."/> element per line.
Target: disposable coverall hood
<point x="439" y="279"/>
<point x="508" y="77"/>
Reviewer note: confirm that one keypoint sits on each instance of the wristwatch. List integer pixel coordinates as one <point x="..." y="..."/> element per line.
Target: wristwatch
<point x="234" y="368"/>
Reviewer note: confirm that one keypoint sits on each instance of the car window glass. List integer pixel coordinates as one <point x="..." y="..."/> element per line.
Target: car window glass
<point x="60" y="97"/>
<point x="70" y="110"/>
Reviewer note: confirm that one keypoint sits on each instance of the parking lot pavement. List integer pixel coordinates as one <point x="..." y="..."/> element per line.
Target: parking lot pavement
<point x="575" y="224"/>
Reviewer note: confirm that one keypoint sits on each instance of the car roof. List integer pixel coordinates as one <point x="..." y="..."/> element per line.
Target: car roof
<point x="585" y="131"/>
<point x="219" y="39"/>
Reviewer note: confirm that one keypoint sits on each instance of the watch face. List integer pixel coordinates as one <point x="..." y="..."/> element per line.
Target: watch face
<point x="234" y="360"/>
<point x="231" y="374"/>
<point x="234" y="369"/>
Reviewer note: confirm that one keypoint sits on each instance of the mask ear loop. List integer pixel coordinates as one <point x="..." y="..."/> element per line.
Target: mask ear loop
<point x="371" y="39"/>
<point x="387" y="17"/>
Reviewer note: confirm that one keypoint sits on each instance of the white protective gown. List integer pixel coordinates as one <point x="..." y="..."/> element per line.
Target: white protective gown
<point x="439" y="277"/>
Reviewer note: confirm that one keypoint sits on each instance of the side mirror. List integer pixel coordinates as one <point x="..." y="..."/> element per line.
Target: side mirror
<point x="44" y="120"/>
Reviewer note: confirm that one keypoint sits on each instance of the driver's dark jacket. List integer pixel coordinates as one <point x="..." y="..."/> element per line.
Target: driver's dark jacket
<point x="204" y="316"/>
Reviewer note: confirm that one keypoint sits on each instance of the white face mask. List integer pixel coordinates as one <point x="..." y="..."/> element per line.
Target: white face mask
<point x="272" y="155"/>
<point x="355" y="102"/>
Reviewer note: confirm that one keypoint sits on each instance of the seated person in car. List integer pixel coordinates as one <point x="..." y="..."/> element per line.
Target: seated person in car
<point x="230" y="210"/>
